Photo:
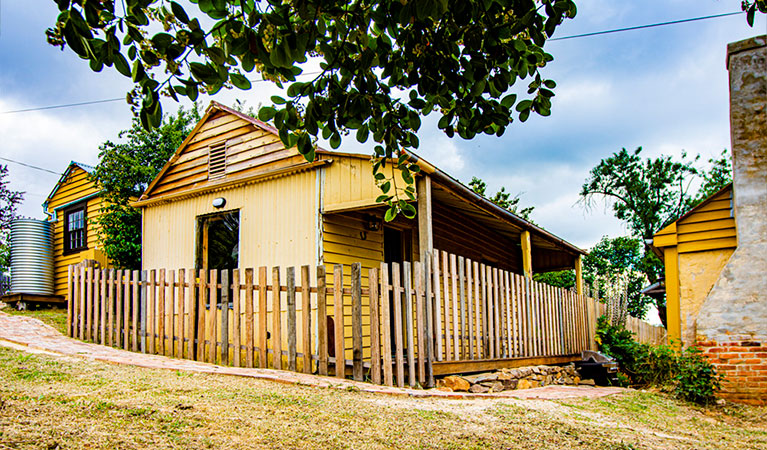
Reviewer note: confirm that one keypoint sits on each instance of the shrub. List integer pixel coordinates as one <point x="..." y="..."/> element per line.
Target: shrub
<point x="687" y="374"/>
<point x="696" y="379"/>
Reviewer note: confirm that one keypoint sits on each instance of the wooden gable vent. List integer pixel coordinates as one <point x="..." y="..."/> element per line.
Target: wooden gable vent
<point x="217" y="161"/>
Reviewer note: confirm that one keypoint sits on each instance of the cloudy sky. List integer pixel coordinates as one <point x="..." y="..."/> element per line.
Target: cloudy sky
<point x="664" y="89"/>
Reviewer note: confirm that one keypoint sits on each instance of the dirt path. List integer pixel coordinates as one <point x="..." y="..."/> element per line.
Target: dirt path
<point x="35" y="335"/>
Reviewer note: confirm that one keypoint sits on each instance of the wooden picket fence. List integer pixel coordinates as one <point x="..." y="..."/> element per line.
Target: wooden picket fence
<point x="409" y="322"/>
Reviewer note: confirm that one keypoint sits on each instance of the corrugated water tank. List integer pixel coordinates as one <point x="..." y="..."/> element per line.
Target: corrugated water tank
<point x="31" y="257"/>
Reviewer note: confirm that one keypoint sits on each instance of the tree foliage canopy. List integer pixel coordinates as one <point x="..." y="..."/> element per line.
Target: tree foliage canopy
<point x="648" y="194"/>
<point x="645" y="193"/>
<point x="384" y="64"/>
<point x="124" y="171"/>
<point x="9" y="202"/>
<point x="611" y="262"/>
<point x="619" y="261"/>
<point x="501" y="198"/>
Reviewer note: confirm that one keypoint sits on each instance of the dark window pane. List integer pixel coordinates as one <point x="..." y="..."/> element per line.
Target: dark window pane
<point x="75" y="229"/>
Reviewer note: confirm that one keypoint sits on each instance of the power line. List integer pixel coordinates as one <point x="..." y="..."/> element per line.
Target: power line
<point x="30" y="166"/>
<point x="68" y="105"/>
<point x="640" y="27"/>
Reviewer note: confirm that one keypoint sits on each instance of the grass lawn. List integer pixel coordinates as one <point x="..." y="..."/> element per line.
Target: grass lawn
<point x="49" y="402"/>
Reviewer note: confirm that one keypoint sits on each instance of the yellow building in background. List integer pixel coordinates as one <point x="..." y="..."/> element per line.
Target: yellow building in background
<point x="72" y="206"/>
<point x="695" y="249"/>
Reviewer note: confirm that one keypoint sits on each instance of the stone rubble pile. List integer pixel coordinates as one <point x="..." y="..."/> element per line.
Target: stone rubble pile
<point x="510" y="379"/>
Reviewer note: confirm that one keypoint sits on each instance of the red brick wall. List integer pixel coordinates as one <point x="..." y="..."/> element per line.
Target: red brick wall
<point x="744" y="366"/>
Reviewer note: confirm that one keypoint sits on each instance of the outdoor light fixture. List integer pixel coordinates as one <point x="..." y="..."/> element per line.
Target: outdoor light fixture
<point x="372" y="223"/>
<point x="219" y="202"/>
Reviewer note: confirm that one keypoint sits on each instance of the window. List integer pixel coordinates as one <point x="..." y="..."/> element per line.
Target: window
<point x="218" y="241"/>
<point x="217" y="161"/>
<point x="75" y="236"/>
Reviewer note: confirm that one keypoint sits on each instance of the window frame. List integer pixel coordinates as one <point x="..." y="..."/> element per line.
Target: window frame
<point x="81" y="206"/>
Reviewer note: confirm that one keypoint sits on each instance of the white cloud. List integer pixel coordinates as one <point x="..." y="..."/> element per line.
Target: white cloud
<point x="444" y="153"/>
<point x="49" y="140"/>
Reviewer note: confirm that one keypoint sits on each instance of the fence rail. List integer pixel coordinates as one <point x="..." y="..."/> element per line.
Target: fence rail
<point x="391" y="326"/>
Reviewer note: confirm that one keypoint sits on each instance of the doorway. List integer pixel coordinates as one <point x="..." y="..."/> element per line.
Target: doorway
<point x="218" y="241"/>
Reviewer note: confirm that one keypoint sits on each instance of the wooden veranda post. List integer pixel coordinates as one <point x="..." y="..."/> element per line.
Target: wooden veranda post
<point x="579" y="275"/>
<point x="527" y="255"/>
<point x="425" y="236"/>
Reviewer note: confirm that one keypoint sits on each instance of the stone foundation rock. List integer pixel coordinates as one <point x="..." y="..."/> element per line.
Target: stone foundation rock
<point x="511" y="379"/>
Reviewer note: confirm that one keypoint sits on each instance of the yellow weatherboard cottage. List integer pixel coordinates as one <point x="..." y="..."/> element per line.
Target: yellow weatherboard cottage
<point x="695" y="248"/>
<point x="72" y="206"/>
<point x="232" y="196"/>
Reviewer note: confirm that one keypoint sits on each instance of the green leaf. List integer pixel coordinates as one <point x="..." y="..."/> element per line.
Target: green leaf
<point x="217" y="55"/>
<point x="362" y="134"/>
<point x="326" y="132"/>
<point x="266" y="113"/>
<point x="206" y="6"/>
<point x="138" y="73"/>
<point x="406" y="176"/>
<point x="240" y="81"/>
<point x="509" y="100"/>
<point x="391" y="214"/>
<point x="121" y="64"/>
<point x="385" y="187"/>
<point x="335" y="140"/>
<point x="179" y="12"/>
<point x="277" y="100"/>
<point x="280" y="56"/>
<point x="524" y="105"/>
<point x="192" y="92"/>
<point x="408" y="210"/>
<point x="383" y="198"/>
<point x="161" y="41"/>
<point x="204" y="73"/>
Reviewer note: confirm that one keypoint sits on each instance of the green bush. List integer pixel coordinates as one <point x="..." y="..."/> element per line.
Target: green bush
<point x="687" y="374"/>
<point x="696" y="379"/>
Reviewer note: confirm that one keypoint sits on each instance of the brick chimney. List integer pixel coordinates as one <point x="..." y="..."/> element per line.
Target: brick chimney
<point x="732" y="323"/>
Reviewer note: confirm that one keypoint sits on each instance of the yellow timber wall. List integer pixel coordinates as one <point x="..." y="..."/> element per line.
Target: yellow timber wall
<point x="277" y="224"/>
<point x="696" y="248"/>
<point x="75" y="187"/>
<point x="348" y="184"/>
<point x="277" y="228"/>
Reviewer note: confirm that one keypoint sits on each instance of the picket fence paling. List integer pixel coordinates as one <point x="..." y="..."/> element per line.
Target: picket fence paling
<point x="449" y="309"/>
